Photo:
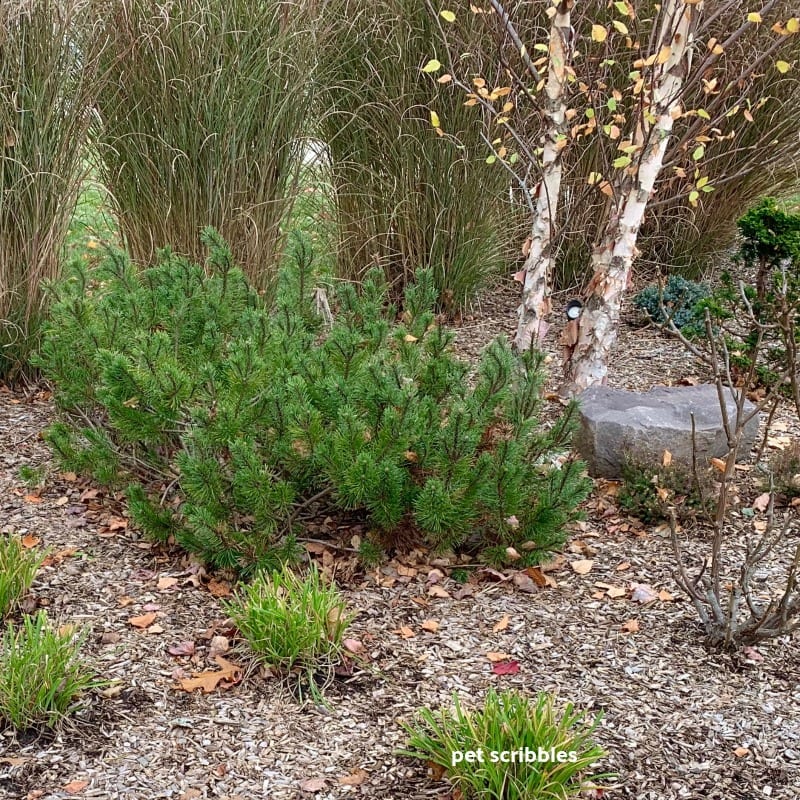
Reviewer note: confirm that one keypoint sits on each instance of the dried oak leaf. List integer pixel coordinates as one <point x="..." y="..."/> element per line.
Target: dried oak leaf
<point x="355" y="778"/>
<point x="75" y="787"/>
<point x="631" y="626"/>
<point x="430" y="625"/>
<point x="582" y="566"/>
<point x="208" y="681"/>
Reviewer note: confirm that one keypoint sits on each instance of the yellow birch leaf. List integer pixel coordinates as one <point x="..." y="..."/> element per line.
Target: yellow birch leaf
<point x="447" y="16"/>
<point x="599" y="33"/>
<point x="435" y="120"/>
<point x="621" y="27"/>
<point x="783" y="67"/>
<point x="793" y="25"/>
<point x="664" y="54"/>
<point x="754" y="16"/>
<point x="432" y="66"/>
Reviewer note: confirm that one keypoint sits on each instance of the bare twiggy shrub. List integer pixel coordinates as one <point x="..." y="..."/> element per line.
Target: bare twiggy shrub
<point x="733" y="601"/>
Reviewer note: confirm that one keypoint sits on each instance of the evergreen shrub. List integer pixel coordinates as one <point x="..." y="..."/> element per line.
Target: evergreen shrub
<point x="225" y="420"/>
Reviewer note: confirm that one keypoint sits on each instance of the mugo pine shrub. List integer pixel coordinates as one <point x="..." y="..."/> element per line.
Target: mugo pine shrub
<point x="225" y="420"/>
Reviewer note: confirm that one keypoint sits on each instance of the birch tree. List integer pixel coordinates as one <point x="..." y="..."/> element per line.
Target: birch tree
<point x="613" y="257"/>
<point x="535" y="305"/>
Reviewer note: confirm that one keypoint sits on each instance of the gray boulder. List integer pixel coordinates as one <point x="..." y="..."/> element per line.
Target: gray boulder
<point x="616" y="424"/>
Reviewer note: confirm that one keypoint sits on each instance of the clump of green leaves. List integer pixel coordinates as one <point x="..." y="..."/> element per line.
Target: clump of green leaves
<point x="507" y="723"/>
<point x="292" y="623"/>
<point x="42" y="675"/>
<point x="226" y="419"/>
<point x="649" y="491"/>
<point x="18" y="567"/>
<point x="679" y="301"/>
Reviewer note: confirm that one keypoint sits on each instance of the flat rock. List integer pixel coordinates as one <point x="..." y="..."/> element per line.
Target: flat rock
<point x="616" y="424"/>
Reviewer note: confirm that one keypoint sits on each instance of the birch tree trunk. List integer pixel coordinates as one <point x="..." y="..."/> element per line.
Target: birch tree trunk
<point x="613" y="258"/>
<point x="535" y="305"/>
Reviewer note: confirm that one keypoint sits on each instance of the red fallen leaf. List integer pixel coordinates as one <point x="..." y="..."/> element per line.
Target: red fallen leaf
<point x="29" y="540"/>
<point x="752" y="654"/>
<point x="76" y="787"/>
<point x="145" y="621"/>
<point x="505" y="668"/>
<point x="181" y="649"/>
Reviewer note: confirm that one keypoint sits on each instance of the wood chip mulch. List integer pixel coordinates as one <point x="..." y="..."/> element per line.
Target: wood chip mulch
<point x="679" y="720"/>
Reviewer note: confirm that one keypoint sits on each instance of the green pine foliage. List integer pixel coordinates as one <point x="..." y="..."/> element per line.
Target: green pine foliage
<point x="226" y="419"/>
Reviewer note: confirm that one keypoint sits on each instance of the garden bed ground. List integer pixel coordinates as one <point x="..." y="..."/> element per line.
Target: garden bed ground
<point x="679" y="721"/>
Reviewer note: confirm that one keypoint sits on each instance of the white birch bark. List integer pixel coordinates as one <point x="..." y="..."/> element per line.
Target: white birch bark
<point x="535" y="305"/>
<point x="613" y="258"/>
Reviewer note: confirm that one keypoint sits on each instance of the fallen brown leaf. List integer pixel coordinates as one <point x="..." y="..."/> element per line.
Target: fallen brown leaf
<point x="219" y="588"/>
<point x="406" y="632"/>
<point x="430" y="625"/>
<point x="582" y="566"/>
<point x="502" y="625"/>
<point x="313" y="785"/>
<point x="741" y="752"/>
<point x="29" y="541"/>
<point x="761" y="503"/>
<point x="631" y="626"/>
<point x="185" y="648"/>
<point x="524" y="583"/>
<point x="32" y="498"/>
<point x="208" y="681"/>
<point x="144" y="621"/>
<point x="75" y="787"/>
<point x="166" y="582"/>
<point x="355" y="778"/>
<point x="495" y="657"/>
<point x="437" y="591"/>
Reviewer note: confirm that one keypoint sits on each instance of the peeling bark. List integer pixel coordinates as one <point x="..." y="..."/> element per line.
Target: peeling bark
<point x="535" y="305"/>
<point x="613" y="258"/>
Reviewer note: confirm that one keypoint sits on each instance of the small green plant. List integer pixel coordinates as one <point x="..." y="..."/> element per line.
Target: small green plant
<point x="680" y="299"/>
<point x="18" y="567"/>
<point x="42" y="675"/>
<point x="292" y="623"/>
<point x="33" y="477"/>
<point x="650" y="490"/>
<point x="528" y="749"/>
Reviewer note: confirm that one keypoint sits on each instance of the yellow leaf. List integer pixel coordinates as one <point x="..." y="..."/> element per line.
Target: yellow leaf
<point x="793" y="25"/>
<point x="664" y="54"/>
<point x="435" y="120"/>
<point x="408" y="337"/>
<point x="754" y="16"/>
<point x="621" y="27"/>
<point x="783" y="67"/>
<point x="599" y="33"/>
<point x="719" y="464"/>
<point x="448" y="16"/>
<point x="666" y="458"/>
<point x="432" y="66"/>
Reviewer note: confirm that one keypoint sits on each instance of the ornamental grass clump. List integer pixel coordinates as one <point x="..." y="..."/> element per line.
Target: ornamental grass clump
<point x="228" y="421"/>
<point x="18" y="567"/>
<point x="50" y="74"/>
<point x="513" y="748"/>
<point x="202" y="121"/>
<point x="292" y="623"/>
<point x="42" y="675"/>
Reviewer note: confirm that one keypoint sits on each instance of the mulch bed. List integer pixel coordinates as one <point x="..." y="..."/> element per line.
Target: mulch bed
<point x="679" y="720"/>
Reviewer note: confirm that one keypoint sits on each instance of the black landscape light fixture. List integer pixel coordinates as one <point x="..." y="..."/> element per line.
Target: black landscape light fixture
<point x="573" y="309"/>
